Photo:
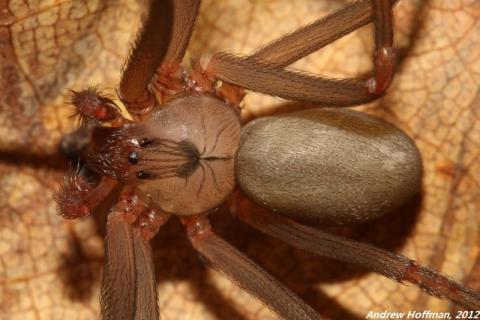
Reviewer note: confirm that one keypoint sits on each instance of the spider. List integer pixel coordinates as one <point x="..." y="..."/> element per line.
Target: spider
<point x="181" y="149"/>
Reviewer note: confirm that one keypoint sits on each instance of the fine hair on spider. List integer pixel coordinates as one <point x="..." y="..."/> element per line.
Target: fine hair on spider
<point x="90" y="105"/>
<point x="185" y="150"/>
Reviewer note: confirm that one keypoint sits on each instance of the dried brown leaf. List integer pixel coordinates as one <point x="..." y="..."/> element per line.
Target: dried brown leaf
<point x="50" y="268"/>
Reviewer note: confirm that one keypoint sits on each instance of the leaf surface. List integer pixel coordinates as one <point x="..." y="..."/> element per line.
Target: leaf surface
<point x="50" y="268"/>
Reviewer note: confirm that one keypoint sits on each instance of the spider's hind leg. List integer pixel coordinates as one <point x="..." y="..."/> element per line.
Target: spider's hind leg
<point x="391" y="265"/>
<point x="223" y="257"/>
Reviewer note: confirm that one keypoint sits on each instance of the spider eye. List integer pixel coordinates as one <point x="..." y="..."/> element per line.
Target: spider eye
<point x="145" y="142"/>
<point x="143" y="175"/>
<point x="133" y="157"/>
<point x="112" y="152"/>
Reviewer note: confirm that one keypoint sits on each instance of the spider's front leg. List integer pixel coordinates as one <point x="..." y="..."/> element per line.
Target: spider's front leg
<point x="128" y="283"/>
<point x="261" y="71"/>
<point x="158" y="50"/>
<point x="169" y="78"/>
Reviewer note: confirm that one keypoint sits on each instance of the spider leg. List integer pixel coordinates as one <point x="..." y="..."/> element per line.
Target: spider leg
<point x="394" y="266"/>
<point x="384" y="56"/>
<point x="185" y="14"/>
<point x="78" y="196"/>
<point x="270" y="79"/>
<point x="169" y="76"/>
<point x="222" y="256"/>
<point x="162" y="43"/>
<point x="148" y="52"/>
<point x="92" y="106"/>
<point x="128" y="283"/>
<point x="304" y="41"/>
<point x="266" y="76"/>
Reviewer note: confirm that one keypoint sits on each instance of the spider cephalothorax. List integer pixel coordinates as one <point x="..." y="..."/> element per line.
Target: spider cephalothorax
<point x="182" y="156"/>
<point x="184" y="149"/>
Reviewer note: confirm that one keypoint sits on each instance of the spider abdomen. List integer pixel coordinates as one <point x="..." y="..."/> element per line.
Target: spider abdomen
<point x="328" y="165"/>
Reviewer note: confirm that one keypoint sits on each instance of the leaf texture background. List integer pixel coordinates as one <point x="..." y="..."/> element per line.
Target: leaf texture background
<point x="50" y="268"/>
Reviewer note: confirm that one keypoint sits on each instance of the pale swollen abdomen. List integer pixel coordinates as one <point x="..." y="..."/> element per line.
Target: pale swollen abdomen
<point x="328" y="165"/>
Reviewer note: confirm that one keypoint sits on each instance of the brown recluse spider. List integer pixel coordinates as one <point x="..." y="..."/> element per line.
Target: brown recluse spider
<point x="182" y="149"/>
